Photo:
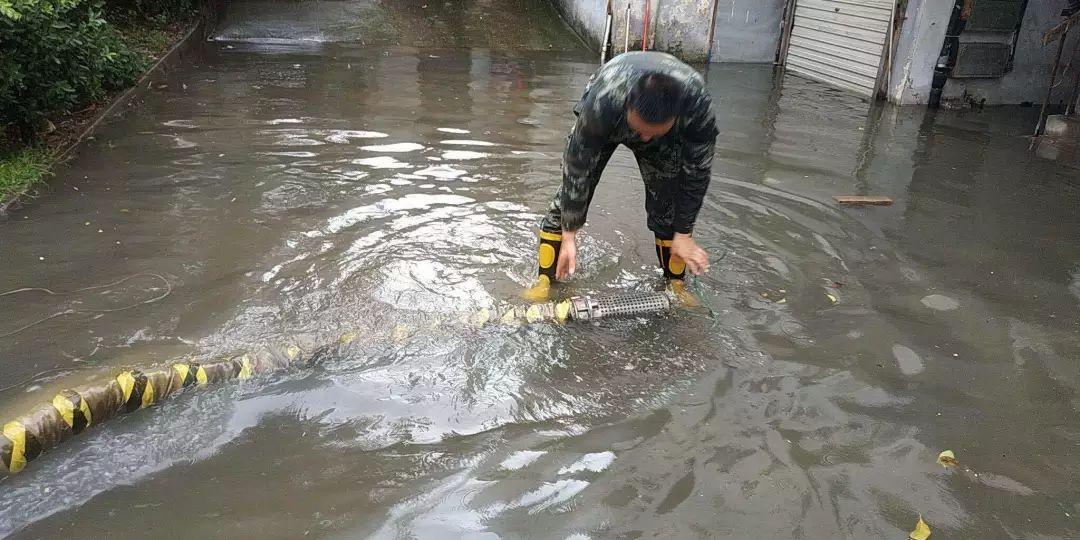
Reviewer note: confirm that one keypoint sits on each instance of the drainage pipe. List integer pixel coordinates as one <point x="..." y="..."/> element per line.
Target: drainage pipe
<point x="72" y="411"/>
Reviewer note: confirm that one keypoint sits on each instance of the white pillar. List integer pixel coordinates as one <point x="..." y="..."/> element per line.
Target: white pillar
<point x="917" y="51"/>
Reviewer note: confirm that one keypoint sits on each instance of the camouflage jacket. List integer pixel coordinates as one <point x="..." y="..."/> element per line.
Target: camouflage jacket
<point x="601" y="126"/>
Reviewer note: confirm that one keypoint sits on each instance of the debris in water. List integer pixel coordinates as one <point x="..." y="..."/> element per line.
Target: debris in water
<point x="947" y="459"/>
<point x="921" y="532"/>
<point x="831" y="298"/>
<point x="861" y="200"/>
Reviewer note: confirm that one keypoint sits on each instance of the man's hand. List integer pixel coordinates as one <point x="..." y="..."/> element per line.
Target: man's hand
<point x="567" y="263"/>
<point x="684" y="247"/>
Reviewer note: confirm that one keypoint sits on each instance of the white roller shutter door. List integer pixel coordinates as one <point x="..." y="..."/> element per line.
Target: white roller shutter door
<point x="840" y="42"/>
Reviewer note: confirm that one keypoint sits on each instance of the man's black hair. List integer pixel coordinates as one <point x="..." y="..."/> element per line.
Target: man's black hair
<point x="656" y="98"/>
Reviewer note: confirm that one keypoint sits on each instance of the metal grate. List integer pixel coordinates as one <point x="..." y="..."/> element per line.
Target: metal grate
<point x="630" y="304"/>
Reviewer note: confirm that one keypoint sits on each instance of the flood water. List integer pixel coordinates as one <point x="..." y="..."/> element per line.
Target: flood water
<point x="287" y="190"/>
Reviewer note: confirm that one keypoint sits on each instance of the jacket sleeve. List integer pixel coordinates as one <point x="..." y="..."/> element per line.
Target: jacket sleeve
<point x="583" y="160"/>
<point x="699" y="139"/>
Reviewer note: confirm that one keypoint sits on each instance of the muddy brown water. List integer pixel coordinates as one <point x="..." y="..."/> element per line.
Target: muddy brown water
<point x="293" y="190"/>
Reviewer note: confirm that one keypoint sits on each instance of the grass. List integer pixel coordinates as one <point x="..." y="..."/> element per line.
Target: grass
<point x="152" y="38"/>
<point x="21" y="170"/>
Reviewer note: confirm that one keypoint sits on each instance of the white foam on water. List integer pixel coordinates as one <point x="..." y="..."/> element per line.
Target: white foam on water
<point x="394" y="147"/>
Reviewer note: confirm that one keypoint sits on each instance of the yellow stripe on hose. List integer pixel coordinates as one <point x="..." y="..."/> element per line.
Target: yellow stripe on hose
<point x="182" y="370"/>
<point x="73" y="410"/>
<point x="16" y="432"/>
<point x="347" y="338"/>
<point x="562" y="310"/>
<point x="85" y="408"/>
<point x="65" y="408"/>
<point x="148" y="394"/>
<point x="245" y="368"/>
<point x="554" y="237"/>
<point x="400" y="334"/>
<point x="201" y="377"/>
<point x="533" y="313"/>
<point x="480" y="318"/>
<point x="127" y="384"/>
<point x="663" y="243"/>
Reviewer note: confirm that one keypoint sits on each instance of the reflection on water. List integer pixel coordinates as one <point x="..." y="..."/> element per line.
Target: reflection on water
<point x="324" y="187"/>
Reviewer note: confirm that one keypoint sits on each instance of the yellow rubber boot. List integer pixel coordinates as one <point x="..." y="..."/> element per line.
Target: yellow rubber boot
<point x="675" y="272"/>
<point x="547" y="258"/>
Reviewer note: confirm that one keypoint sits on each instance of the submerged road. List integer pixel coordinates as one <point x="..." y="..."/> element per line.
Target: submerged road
<point x="299" y="179"/>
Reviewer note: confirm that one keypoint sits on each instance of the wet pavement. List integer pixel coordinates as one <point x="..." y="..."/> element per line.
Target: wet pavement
<point x="277" y="191"/>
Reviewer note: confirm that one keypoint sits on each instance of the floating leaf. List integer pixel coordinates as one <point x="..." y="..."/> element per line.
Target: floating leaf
<point x="921" y="532"/>
<point x="831" y="298"/>
<point x="947" y="459"/>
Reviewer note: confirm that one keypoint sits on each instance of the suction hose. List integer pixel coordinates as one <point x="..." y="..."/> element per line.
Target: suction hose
<point x="73" y="411"/>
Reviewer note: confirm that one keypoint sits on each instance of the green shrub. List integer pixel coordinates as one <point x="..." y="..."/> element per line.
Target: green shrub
<point x="56" y="56"/>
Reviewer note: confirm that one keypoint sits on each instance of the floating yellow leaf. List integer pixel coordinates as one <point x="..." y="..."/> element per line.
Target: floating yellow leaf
<point x="921" y="532"/>
<point x="831" y="298"/>
<point x="947" y="459"/>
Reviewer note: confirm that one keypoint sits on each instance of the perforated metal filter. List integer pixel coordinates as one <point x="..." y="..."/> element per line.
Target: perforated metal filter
<point x="630" y="304"/>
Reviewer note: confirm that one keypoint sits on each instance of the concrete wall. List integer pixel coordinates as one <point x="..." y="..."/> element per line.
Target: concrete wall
<point x="917" y="50"/>
<point x="923" y="33"/>
<point x="1027" y="82"/>
<point x="746" y="30"/>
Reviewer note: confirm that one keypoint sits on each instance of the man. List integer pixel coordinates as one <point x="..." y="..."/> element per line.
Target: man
<point x="659" y="108"/>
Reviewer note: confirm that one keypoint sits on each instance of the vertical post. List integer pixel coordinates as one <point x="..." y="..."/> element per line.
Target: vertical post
<point x="785" y="33"/>
<point x="712" y="33"/>
<point x="1053" y="80"/>
<point x="886" y="63"/>
<point x="605" y="45"/>
<point x="645" y="28"/>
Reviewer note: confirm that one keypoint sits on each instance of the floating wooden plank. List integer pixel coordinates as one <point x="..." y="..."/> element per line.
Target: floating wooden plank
<point x="863" y="200"/>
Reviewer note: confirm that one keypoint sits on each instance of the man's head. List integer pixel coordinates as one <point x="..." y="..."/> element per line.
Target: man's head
<point x="653" y="105"/>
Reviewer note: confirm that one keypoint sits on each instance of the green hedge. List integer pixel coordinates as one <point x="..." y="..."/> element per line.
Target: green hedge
<point x="57" y="56"/>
